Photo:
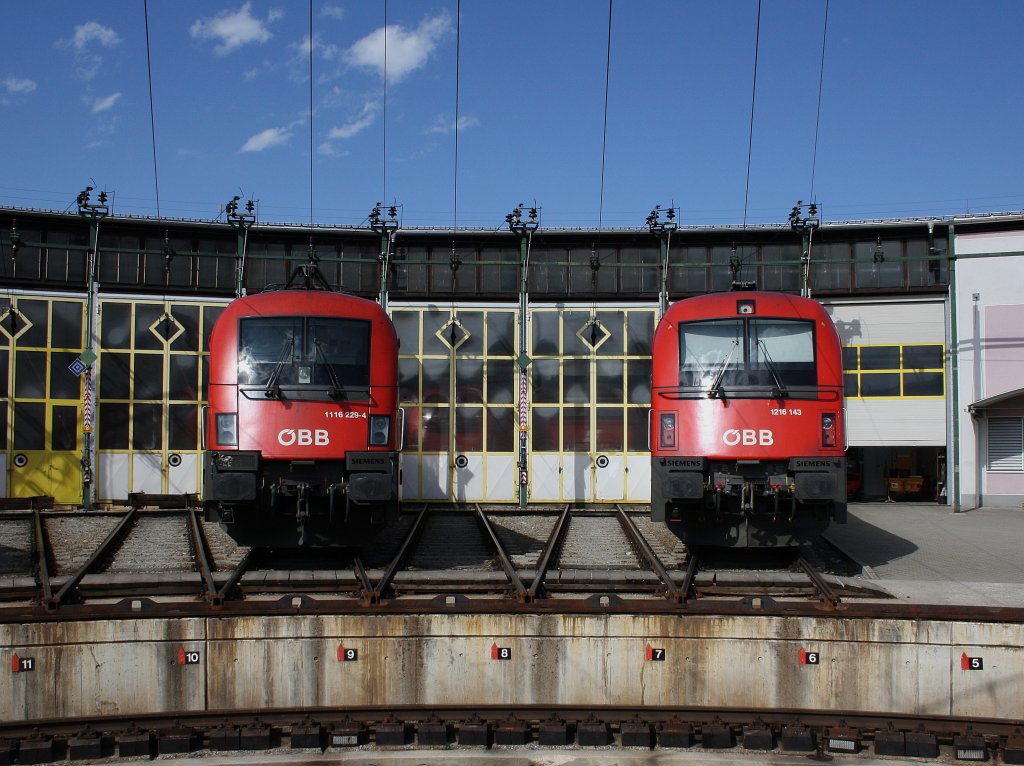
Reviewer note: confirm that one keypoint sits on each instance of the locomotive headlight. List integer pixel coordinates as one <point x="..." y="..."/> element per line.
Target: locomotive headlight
<point x="227" y="429"/>
<point x="380" y="430"/>
<point x="828" y="429"/>
<point x="667" y="430"/>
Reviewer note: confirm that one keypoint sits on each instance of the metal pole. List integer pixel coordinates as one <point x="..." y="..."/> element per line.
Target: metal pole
<point x="954" y="372"/>
<point x="524" y="364"/>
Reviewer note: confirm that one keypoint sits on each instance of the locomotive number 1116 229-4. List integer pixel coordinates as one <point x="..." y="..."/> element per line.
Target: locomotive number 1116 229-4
<point x="341" y="414"/>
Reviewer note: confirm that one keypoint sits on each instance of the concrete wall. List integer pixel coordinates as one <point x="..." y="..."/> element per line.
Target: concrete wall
<point x="887" y="666"/>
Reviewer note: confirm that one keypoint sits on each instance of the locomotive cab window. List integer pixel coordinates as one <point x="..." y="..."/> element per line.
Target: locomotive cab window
<point x="747" y="354"/>
<point x="304" y="352"/>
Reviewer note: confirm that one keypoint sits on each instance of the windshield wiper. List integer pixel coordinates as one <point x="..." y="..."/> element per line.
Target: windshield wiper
<point x="780" y="391"/>
<point x="717" y="391"/>
<point x="286" y="352"/>
<point x="336" y="389"/>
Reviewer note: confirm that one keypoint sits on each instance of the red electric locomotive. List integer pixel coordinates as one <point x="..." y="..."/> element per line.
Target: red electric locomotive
<point x="303" y="426"/>
<point x="748" y="425"/>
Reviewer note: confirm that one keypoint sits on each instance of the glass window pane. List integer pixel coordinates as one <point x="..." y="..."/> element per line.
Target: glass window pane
<point x="501" y="333"/>
<point x="210" y="314"/>
<point x="614" y="323"/>
<point x="473" y="323"/>
<point x="147" y="426"/>
<point x="469" y="381"/>
<point x="639" y="332"/>
<point x="188" y="317"/>
<point x="880" y="384"/>
<point x="67" y="325"/>
<point x="432" y="322"/>
<point x="115" y="325"/>
<point x="638" y="381"/>
<point x="850" y="357"/>
<point x="880" y="357"/>
<point x="4" y="360"/>
<point x="36" y="314"/>
<point x="183" y="427"/>
<point x="923" y="358"/>
<point x="183" y="377"/>
<point x="64" y="384"/>
<point x="3" y="425"/>
<point x="637" y="438"/>
<point x="407" y="325"/>
<point x="502" y="430"/>
<point x="435" y="380"/>
<point x="545" y="332"/>
<point x="64" y="427"/>
<point x="544" y="432"/>
<point x="113" y="426"/>
<point x="149" y="376"/>
<point x="544" y="373"/>
<point x="469" y="433"/>
<point x="115" y="373"/>
<point x="30" y="374"/>
<point x="409" y="380"/>
<point x="411" y="440"/>
<point x="576" y="381"/>
<point x="572" y="323"/>
<point x="29" y="425"/>
<point x="609" y="381"/>
<point x="609" y="429"/>
<point x="145" y="315"/>
<point x="501" y="381"/>
<point x="851" y="386"/>
<point x="435" y="429"/>
<point x="576" y="429"/>
<point x="922" y="384"/>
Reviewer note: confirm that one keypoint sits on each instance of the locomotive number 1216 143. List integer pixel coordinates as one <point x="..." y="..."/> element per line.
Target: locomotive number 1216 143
<point x="785" y="411"/>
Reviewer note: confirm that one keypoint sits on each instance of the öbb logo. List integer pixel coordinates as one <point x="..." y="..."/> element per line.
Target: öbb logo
<point x="748" y="437"/>
<point x="303" y="437"/>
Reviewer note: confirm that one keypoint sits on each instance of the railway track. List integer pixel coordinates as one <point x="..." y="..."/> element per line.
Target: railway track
<point x="823" y="735"/>
<point x="153" y="561"/>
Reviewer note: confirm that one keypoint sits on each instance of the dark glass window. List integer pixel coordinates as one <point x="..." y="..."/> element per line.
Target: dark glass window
<point x="469" y="424"/>
<point x="638" y="381"/>
<point x="501" y="381"/>
<point x="737" y="352"/>
<point x="115" y="372"/>
<point x="29" y="425"/>
<point x="148" y="371"/>
<point x="409" y="380"/>
<point x="923" y="358"/>
<point x="146" y="314"/>
<point x="922" y="384"/>
<point x="188" y="318"/>
<point x="851" y="385"/>
<point x="576" y="429"/>
<point x="319" y="351"/>
<point x="469" y="381"/>
<point x="880" y="357"/>
<point x="850" y="358"/>
<point x="182" y="427"/>
<point x="147" y="426"/>
<point x="35" y="314"/>
<point x="544" y="433"/>
<point x="880" y="384"/>
<point x="435" y="429"/>
<point x="115" y="325"/>
<point x="501" y="429"/>
<point x="67" y="325"/>
<point x="637" y="420"/>
<point x="609" y="429"/>
<point x="64" y="384"/>
<point x="64" y="427"/>
<point x="30" y="374"/>
<point x="113" y="426"/>
<point x="183" y="377"/>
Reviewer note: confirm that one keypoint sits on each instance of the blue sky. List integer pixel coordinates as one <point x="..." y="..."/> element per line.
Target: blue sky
<point x="921" y="108"/>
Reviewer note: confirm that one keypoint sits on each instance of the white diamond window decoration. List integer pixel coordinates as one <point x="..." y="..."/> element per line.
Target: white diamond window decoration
<point x="593" y="334"/>
<point x="167" y="328"/>
<point x="452" y="333"/>
<point x="13" y="323"/>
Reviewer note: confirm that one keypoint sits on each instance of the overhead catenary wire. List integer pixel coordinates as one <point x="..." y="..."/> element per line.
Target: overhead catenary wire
<point x="753" y="101"/>
<point x="152" y="109"/>
<point x="817" y="114"/>
<point x="311" y="139"/>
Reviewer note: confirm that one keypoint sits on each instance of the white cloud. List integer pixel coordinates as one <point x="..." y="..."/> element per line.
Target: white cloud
<point x="93" y="32"/>
<point x="445" y="126"/>
<point x="327" y="150"/>
<point x="356" y="125"/>
<point x="331" y="11"/>
<point x="267" y="139"/>
<point x="103" y="104"/>
<point x="233" y="29"/>
<point x="16" y="85"/>
<point x="84" y="41"/>
<point x="407" y="50"/>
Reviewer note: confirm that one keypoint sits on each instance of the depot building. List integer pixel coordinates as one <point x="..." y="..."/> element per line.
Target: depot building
<point x="104" y="321"/>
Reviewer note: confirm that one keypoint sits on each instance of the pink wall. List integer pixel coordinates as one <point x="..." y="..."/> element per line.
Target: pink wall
<point x="1003" y="349"/>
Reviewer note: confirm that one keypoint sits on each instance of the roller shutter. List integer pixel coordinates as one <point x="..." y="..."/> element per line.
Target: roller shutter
<point x="1006" y="445"/>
